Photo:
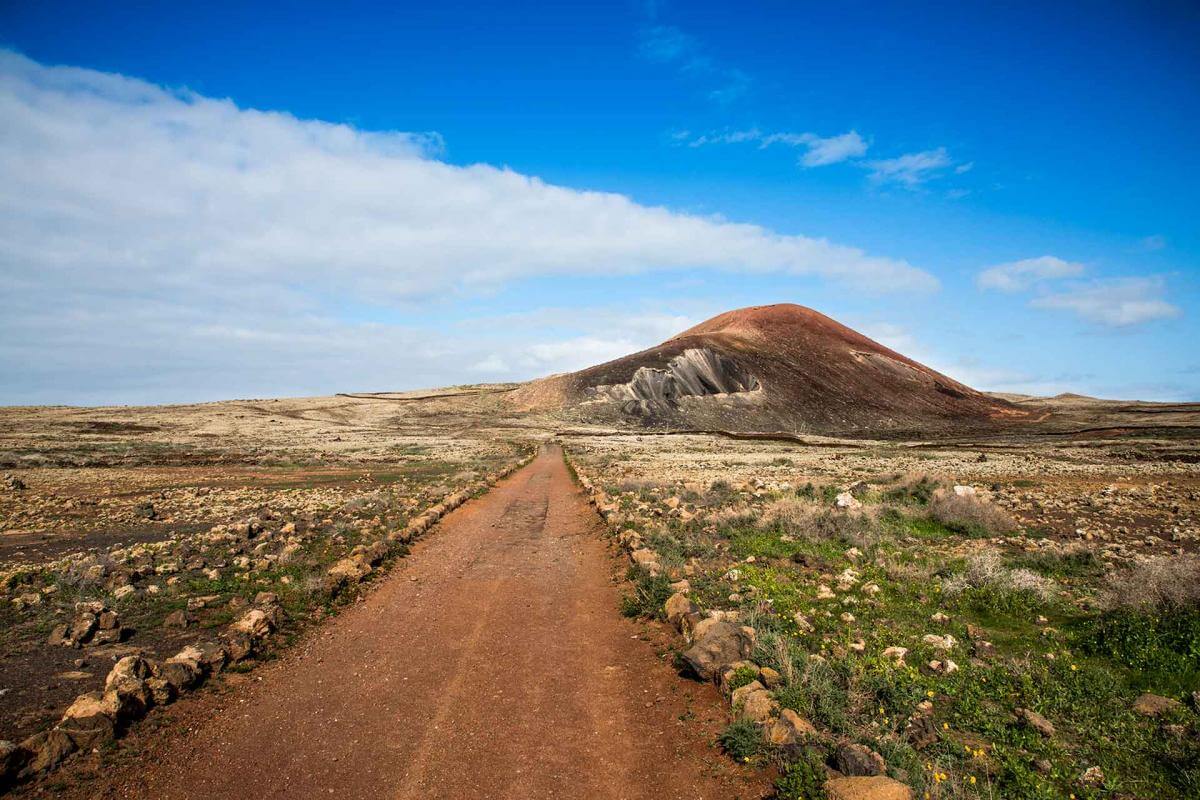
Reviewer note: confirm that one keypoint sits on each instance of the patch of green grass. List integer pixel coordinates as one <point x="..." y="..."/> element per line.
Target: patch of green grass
<point x="1161" y="650"/>
<point x="917" y="527"/>
<point x="760" y="544"/>
<point x="1073" y="564"/>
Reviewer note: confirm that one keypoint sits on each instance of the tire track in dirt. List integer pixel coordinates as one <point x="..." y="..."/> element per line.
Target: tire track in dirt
<point x="490" y="663"/>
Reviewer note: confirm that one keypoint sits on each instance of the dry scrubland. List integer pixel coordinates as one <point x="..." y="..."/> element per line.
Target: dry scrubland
<point x="1034" y="632"/>
<point x="1016" y="621"/>
<point x="144" y="551"/>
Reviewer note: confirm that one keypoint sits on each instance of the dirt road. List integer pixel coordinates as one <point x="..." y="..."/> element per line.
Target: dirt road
<point x="491" y="663"/>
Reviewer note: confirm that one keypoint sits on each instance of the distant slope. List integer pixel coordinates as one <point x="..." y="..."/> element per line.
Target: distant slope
<point x="777" y="367"/>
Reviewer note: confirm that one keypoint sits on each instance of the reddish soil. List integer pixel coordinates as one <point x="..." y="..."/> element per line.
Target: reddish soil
<point x="491" y="663"/>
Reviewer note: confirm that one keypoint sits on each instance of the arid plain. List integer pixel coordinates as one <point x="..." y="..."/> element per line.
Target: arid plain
<point x="1008" y="612"/>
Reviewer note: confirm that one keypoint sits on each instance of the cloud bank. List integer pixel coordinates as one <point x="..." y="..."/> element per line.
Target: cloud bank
<point x="107" y="178"/>
<point x="155" y="238"/>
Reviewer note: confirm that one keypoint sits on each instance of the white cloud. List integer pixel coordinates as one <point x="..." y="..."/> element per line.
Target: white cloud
<point x="833" y="149"/>
<point x="1153" y="243"/>
<point x="910" y="170"/>
<point x="819" y="151"/>
<point x="1016" y="276"/>
<point x="1115" y="302"/>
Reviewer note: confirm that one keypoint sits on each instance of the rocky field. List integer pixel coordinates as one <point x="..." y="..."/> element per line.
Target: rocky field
<point x="993" y="618"/>
<point x="144" y="550"/>
<point x="1020" y="620"/>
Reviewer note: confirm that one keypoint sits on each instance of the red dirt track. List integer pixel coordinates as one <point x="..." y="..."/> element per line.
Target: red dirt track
<point x="491" y="663"/>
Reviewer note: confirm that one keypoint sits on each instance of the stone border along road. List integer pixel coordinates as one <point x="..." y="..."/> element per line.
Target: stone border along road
<point x="491" y="663"/>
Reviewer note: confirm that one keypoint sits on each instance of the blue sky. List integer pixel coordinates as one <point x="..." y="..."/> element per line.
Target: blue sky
<point x="1008" y="194"/>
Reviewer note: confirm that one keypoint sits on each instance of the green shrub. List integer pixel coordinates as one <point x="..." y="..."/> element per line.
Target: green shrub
<point x="913" y="492"/>
<point x="742" y="676"/>
<point x="742" y="740"/>
<point x="804" y="778"/>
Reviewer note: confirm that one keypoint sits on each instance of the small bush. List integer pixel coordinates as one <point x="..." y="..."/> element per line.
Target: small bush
<point x="742" y="676"/>
<point x="989" y="585"/>
<point x="818" y="693"/>
<point x="913" y="491"/>
<point x="649" y="595"/>
<point x="742" y="740"/>
<point x="969" y="515"/>
<point x="804" y="778"/>
<point x="787" y="515"/>
<point x="1159" y="584"/>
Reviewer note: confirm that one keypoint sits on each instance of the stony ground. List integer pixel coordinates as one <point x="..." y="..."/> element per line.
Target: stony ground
<point x="141" y="532"/>
<point x="1016" y="621"/>
<point x="992" y="618"/>
<point x="454" y="679"/>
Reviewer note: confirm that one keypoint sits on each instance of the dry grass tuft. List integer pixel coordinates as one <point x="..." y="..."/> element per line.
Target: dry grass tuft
<point x="986" y="570"/>
<point x="1165" y="583"/>
<point x="970" y="514"/>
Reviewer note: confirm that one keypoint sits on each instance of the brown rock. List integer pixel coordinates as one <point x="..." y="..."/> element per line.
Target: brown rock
<point x="89" y="732"/>
<point x="770" y="678"/>
<point x="1036" y="721"/>
<point x="921" y="732"/>
<point x="213" y="656"/>
<point x="855" y="760"/>
<point x="58" y="636"/>
<point x="791" y="728"/>
<point x="180" y="674"/>
<point x="1153" y="705"/>
<point x="255" y="624"/>
<point x="239" y="646"/>
<point x="129" y="668"/>
<point x="759" y="707"/>
<point x="178" y="619"/>
<point x="162" y="690"/>
<point x="739" y="694"/>
<point x="677" y="607"/>
<point x="351" y="569"/>
<point x="82" y="628"/>
<point x="109" y="635"/>
<point x="87" y="705"/>
<point x="48" y="749"/>
<point x="721" y="643"/>
<point x="873" y="788"/>
<point x="12" y="758"/>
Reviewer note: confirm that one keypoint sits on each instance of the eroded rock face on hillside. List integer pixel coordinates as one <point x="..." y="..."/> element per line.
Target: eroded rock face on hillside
<point x="696" y="372"/>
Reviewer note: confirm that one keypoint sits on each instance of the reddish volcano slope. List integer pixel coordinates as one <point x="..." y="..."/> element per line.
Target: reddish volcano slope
<point x="791" y="369"/>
